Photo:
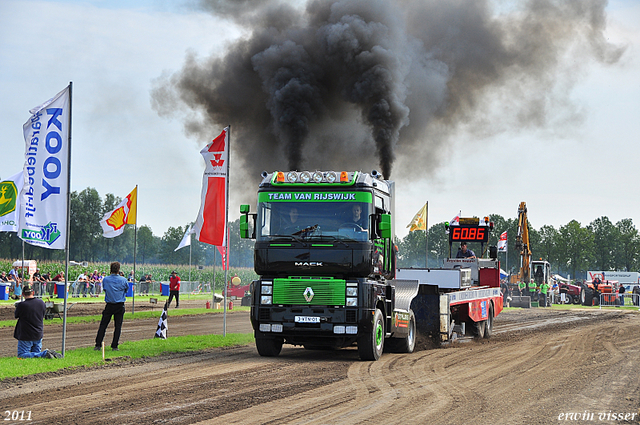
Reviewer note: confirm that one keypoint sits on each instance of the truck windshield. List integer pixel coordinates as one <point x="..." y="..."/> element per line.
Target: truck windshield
<point x="313" y="220"/>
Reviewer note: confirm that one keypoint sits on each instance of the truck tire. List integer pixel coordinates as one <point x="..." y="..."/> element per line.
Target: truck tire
<point x="568" y="299"/>
<point x="406" y="344"/>
<point x="268" y="347"/>
<point x="488" y="328"/>
<point x="478" y="328"/>
<point x="586" y="296"/>
<point x="371" y="345"/>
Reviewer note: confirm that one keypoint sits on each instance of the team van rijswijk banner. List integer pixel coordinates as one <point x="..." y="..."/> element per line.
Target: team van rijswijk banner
<point x="43" y="199"/>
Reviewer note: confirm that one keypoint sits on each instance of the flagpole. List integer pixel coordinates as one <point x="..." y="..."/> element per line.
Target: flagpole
<point x="226" y="234"/>
<point x="213" y="296"/>
<point x="66" y="264"/>
<point x="135" y="251"/>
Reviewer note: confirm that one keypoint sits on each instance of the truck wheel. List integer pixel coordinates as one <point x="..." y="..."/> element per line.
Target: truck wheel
<point x="568" y="299"/>
<point x="479" y="328"/>
<point x="488" y="328"/>
<point x="406" y="344"/>
<point x="371" y="345"/>
<point x="268" y="347"/>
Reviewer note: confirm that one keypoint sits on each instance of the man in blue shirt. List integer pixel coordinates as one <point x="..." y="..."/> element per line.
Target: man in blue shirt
<point x="115" y="290"/>
<point x="463" y="252"/>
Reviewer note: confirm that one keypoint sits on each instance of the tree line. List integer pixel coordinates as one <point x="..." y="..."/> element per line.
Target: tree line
<point x="571" y="249"/>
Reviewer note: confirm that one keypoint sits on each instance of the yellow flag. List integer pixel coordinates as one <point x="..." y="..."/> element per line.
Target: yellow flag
<point x="419" y="221"/>
<point x="133" y="206"/>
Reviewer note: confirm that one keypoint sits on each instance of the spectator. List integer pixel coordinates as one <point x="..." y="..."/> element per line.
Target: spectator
<point x="115" y="289"/>
<point x="144" y="284"/>
<point x="47" y="284"/>
<point x="80" y="285"/>
<point x="37" y="283"/>
<point x="3" y="277"/>
<point x="621" y="294"/>
<point x="174" y="289"/>
<point x="58" y="278"/>
<point x="29" y="328"/>
<point x="99" y="284"/>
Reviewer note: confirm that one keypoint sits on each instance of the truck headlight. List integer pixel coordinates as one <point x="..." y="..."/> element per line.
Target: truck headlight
<point x="265" y="327"/>
<point x="352" y="291"/>
<point x="352" y="302"/>
<point x="276" y="327"/>
<point x="338" y="329"/>
<point x="352" y="330"/>
<point x="265" y="299"/>
<point x="266" y="290"/>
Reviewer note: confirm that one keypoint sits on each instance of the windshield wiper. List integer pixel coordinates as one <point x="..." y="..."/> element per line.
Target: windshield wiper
<point x="306" y="232"/>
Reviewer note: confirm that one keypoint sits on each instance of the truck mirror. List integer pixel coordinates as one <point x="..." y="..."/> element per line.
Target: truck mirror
<point x="385" y="226"/>
<point x="244" y="209"/>
<point x="493" y="252"/>
<point x="244" y="226"/>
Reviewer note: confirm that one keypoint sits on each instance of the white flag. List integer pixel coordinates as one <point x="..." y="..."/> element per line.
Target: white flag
<point x="186" y="239"/>
<point x="43" y="200"/>
<point x="502" y="243"/>
<point x="9" y="192"/>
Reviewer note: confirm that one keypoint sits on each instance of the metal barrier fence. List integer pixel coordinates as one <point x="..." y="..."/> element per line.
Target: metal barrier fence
<point x="619" y="300"/>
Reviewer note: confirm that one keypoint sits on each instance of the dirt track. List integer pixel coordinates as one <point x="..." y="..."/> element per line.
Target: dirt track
<point x="556" y="364"/>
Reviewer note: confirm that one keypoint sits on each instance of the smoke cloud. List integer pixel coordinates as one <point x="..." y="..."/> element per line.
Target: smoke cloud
<point x="347" y="84"/>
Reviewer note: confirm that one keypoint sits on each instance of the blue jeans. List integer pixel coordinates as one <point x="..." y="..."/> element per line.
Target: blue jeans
<point x="30" y="349"/>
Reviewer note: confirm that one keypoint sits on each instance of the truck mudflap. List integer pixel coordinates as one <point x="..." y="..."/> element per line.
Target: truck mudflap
<point x="432" y="309"/>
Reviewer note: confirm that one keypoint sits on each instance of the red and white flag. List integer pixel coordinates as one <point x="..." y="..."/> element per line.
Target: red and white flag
<point x="223" y="253"/>
<point x="455" y="221"/>
<point x="502" y="242"/>
<point x="211" y="223"/>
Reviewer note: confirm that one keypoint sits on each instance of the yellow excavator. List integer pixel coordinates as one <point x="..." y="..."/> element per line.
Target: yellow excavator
<point x="522" y="245"/>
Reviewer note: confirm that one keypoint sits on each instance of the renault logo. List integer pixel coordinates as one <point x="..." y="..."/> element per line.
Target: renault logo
<point x="308" y="294"/>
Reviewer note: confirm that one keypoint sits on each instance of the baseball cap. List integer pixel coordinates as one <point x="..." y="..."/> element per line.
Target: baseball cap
<point x="27" y="288"/>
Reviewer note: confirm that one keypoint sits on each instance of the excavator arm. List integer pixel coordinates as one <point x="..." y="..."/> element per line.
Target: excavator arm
<point x="522" y="243"/>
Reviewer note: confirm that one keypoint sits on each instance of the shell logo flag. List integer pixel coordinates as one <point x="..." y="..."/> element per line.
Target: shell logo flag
<point x="210" y="226"/>
<point x="419" y="221"/>
<point x="125" y="213"/>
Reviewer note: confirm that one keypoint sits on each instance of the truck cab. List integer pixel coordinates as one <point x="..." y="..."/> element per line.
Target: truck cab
<point x="324" y="255"/>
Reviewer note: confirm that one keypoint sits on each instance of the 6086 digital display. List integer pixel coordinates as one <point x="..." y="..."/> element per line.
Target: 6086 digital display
<point x="469" y="234"/>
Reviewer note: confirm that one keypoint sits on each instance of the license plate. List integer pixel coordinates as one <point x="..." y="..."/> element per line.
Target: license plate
<point x="307" y="319"/>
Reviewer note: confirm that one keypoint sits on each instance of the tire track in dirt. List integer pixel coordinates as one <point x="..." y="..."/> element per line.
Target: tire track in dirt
<point x="524" y="377"/>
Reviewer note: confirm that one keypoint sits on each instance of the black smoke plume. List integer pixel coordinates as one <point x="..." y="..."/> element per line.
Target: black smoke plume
<point x="344" y="84"/>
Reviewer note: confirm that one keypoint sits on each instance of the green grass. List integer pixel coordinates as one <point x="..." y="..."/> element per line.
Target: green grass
<point x="155" y="314"/>
<point x="81" y="357"/>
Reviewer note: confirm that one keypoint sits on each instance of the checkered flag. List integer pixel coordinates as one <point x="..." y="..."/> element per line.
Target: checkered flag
<point x="161" y="332"/>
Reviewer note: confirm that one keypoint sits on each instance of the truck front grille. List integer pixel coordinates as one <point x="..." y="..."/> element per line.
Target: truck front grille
<point x="326" y="291"/>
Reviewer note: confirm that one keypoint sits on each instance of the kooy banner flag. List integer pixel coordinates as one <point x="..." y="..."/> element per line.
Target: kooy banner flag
<point x="43" y="199"/>
<point x="9" y="205"/>
<point x="502" y="243"/>
<point x="125" y="213"/>
<point x="211" y="226"/>
<point x="186" y="239"/>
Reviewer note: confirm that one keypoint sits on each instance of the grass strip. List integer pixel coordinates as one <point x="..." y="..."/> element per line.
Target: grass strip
<point x="11" y="367"/>
<point x="155" y="314"/>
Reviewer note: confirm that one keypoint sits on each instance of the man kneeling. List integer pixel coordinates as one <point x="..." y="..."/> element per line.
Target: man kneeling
<point x="30" y="326"/>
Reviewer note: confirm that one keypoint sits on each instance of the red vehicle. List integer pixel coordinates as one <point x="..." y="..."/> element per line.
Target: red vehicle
<point x="591" y="291"/>
<point x="572" y="292"/>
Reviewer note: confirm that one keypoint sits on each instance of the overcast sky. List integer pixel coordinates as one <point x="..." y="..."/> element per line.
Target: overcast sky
<point x="113" y="51"/>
